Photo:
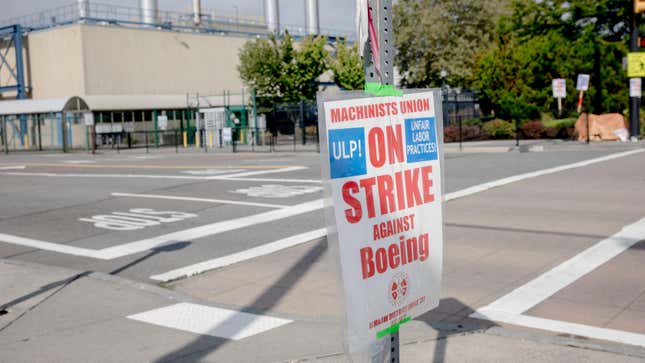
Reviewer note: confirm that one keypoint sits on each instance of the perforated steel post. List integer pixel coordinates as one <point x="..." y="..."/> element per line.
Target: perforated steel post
<point x="381" y="13"/>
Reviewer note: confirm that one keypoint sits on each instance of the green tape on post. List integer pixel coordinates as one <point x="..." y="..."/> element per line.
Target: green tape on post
<point x="378" y="89"/>
<point x="392" y="329"/>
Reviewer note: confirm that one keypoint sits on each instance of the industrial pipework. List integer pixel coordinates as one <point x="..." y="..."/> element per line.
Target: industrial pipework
<point x="311" y="17"/>
<point x="149" y="11"/>
<point x="197" y="12"/>
<point x="272" y="15"/>
<point x="83" y="8"/>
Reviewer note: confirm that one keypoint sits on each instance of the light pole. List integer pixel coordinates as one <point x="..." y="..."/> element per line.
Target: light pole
<point x="457" y="92"/>
<point x="443" y="74"/>
<point x="444" y="92"/>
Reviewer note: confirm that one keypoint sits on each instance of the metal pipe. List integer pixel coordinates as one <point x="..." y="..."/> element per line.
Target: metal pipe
<point x="311" y="17"/>
<point x="272" y="15"/>
<point x="149" y="10"/>
<point x="197" y="12"/>
<point x="83" y="8"/>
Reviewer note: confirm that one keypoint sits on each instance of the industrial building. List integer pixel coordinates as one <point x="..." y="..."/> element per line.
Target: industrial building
<point x="127" y="67"/>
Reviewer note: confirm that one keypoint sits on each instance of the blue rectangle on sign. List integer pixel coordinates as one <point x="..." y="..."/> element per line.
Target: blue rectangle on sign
<point x="421" y="139"/>
<point x="347" y="152"/>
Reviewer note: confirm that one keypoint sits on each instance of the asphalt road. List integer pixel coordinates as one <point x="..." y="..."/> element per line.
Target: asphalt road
<point x="70" y="201"/>
<point x="533" y="257"/>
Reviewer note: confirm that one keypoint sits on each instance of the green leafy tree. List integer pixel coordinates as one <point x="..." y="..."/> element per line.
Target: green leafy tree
<point x="431" y="35"/>
<point x="347" y="67"/>
<point x="281" y="71"/>
<point x="540" y="41"/>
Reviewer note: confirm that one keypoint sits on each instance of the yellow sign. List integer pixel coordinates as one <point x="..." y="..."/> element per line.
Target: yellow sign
<point x="636" y="64"/>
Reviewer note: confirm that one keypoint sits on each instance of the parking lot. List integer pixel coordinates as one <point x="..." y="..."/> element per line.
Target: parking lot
<point x="518" y="226"/>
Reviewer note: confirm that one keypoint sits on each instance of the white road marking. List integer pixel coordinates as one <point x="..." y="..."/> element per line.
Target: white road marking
<point x="204" y="200"/>
<point x="261" y="172"/>
<point x="136" y="218"/>
<point x="208" y="320"/>
<point x="277" y="191"/>
<point x="16" y="167"/>
<point x="140" y="246"/>
<point x="538" y="290"/>
<point x="245" y="255"/>
<point x="510" y="307"/>
<point x="49" y="246"/>
<point x="79" y="162"/>
<point x="497" y="183"/>
<point x="211" y="171"/>
<point x="124" y="176"/>
<point x="185" y="235"/>
<point x="209" y="229"/>
<point x="587" y="331"/>
<point x="273" y="180"/>
<point x="235" y="176"/>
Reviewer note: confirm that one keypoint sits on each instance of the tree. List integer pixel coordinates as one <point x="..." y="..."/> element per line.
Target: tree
<point x="540" y="41"/>
<point x="281" y="71"/>
<point x="347" y="66"/>
<point x="431" y="35"/>
<point x="260" y="67"/>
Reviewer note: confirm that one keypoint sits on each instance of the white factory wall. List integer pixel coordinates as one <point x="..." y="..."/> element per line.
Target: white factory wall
<point x="55" y="62"/>
<point x="139" y="61"/>
<point x="84" y="59"/>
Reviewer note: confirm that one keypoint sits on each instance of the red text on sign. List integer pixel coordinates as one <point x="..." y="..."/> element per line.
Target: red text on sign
<point x="386" y="193"/>
<point x="396" y="254"/>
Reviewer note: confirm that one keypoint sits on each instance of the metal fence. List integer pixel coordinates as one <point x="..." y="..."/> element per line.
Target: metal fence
<point x="293" y="126"/>
<point x="38" y="132"/>
<point x="287" y="127"/>
<point x="459" y="106"/>
<point x="111" y="14"/>
<point x="139" y="140"/>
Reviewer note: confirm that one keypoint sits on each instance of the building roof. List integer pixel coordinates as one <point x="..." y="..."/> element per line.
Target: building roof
<point x="135" y="102"/>
<point x="19" y="107"/>
<point x="116" y="103"/>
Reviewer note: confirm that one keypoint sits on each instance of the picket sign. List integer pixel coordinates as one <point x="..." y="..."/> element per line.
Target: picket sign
<point x="382" y="167"/>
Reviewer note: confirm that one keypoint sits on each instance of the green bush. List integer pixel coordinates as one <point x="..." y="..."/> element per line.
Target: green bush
<point x="499" y="129"/>
<point x="560" y="123"/>
<point x="566" y="123"/>
<point x="472" y="122"/>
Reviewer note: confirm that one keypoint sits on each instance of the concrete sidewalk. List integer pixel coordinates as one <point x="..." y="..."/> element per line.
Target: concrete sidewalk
<point x="59" y="315"/>
<point x="536" y="145"/>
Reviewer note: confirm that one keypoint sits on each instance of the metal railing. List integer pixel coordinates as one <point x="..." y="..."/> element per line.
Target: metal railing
<point x="139" y="140"/>
<point x="460" y="106"/>
<point x="111" y="14"/>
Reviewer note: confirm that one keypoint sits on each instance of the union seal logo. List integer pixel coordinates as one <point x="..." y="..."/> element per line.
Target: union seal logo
<point x="399" y="287"/>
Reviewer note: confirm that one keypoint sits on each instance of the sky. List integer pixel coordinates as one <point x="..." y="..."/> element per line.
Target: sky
<point x="334" y="14"/>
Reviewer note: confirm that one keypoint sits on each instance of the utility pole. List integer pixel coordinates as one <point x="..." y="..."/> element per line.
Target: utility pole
<point x="634" y="102"/>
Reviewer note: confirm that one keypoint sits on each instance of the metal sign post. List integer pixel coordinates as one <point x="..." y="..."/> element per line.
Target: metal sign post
<point x="4" y="134"/>
<point x="382" y="73"/>
<point x="559" y="86"/>
<point x="636" y="69"/>
<point x="582" y="85"/>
